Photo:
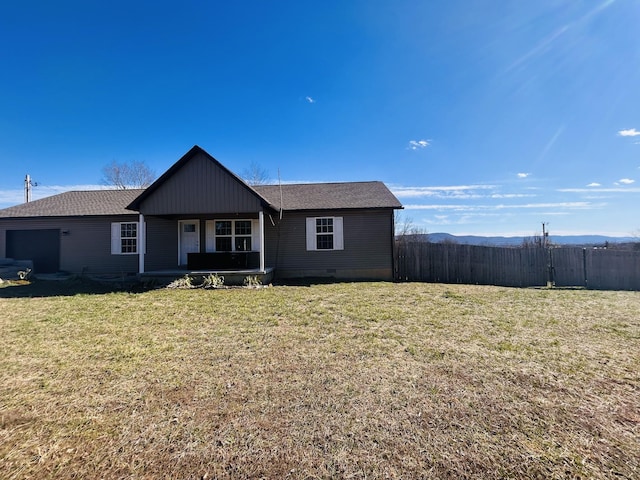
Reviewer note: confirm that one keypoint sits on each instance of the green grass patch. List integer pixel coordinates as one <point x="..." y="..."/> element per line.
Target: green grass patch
<point x="362" y="380"/>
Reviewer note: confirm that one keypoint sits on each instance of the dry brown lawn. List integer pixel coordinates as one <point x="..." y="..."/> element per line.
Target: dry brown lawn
<point x="352" y="380"/>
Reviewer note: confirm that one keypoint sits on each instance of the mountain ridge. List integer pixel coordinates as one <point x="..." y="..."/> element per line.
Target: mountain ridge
<point x="590" y="240"/>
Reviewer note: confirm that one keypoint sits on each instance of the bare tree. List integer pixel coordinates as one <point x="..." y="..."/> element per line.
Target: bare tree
<point x="533" y="241"/>
<point x="255" y="175"/>
<point x="448" y="241"/>
<point x="127" y="175"/>
<point x="406" y="230"/>
<point x="538" y="240"/>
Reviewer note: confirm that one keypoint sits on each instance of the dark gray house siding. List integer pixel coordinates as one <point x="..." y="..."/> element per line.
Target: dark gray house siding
<point x="179" y="210"/>
<point x="162" y="244"/>
<point x="197" y="184"/>
<point x="162" y="238"/>
<point x="367" y="253"/>
<point x="85" y="242"/>
<point x="197" y="189"/>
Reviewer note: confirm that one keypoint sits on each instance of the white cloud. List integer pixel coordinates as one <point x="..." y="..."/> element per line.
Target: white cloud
<point x="309" y="99"/>
<point x="512" y="195"/>
<point x="573" y="205"/>
<point x="458" y="191"/>
<point x="523" y="175"/>
<point x="631" y="132"/>
<point x="418" y="144"/>
<point x="626" y="181"/>
<point x="594" y="184"/>
<point x="600" y="190"/>
<point x="462" y="208"/>
<point x="11" y="197"/>
<point x="476" y="208"/>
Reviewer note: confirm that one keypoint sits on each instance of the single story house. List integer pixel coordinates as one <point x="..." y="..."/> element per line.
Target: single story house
<point x="199" y="216"/>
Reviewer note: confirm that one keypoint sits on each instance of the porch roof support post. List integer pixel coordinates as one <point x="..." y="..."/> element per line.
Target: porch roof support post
<point x="261" y="222"/>
<point x="142" y="241"/>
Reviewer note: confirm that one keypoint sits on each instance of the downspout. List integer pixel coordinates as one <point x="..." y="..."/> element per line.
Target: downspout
<point x="142" y="240"/>
<point x="261" y="222"/>
<point x="394" y="248"/>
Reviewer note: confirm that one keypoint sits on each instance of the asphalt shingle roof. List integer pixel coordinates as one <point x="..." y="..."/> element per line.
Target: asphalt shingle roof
<point x="304" y="196"/>
<point x="76" y="203"/>
<point x="322" y="196"/>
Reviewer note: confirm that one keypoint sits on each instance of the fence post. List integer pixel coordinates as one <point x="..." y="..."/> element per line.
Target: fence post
<point x="550" y="281"/>
<point x="584" y="267"/>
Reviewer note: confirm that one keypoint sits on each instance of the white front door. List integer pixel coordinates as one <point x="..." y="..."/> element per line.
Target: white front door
<point x="189" y="239"/>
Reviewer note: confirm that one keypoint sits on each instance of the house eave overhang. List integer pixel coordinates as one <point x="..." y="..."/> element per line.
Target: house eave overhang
<point x="340" y="209"/>
<point x="68" y="216"/>
<point x="136" y="204"/>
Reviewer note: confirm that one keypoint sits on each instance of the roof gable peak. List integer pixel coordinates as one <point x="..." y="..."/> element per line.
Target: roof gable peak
<point x="175" y="174"/>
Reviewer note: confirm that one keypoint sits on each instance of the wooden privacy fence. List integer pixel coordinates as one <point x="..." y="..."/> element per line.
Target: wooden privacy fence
<point x="517" y="267"/>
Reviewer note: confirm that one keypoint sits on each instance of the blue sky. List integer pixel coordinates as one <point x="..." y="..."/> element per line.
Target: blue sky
<point x="482" y="116"/>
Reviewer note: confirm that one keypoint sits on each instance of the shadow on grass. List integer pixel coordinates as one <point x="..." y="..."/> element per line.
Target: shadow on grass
<point x="85" y="286"/>
<point x="61" y="288"/>
<point x="311" y="281"/>
<point x="303" y="282"/>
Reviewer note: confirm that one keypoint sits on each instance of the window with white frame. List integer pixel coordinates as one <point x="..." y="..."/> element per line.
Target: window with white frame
<point x="124" y="238"/>
<point x="232" y="235"/>
<point x="242" y="235"/>
<point x="325" y="233"/>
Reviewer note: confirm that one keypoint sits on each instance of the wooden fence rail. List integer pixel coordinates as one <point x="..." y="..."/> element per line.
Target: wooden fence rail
<point x="517" y="267"/>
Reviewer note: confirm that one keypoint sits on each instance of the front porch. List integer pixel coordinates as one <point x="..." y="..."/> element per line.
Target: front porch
<point x="231" y="276"/>
<point x="212" y="243"/>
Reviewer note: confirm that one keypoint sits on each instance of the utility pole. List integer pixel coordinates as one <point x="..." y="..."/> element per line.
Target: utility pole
<point x="545" y="243"/>
<point x="28" y="185"/>
<point x="27" y="188"/>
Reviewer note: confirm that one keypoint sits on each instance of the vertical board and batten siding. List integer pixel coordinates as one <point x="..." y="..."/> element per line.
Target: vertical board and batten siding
<point x="200" y="186"/>
<point x="85" y="248"/>
<point x="367" y="253"/>
<point x="518" y="267"/>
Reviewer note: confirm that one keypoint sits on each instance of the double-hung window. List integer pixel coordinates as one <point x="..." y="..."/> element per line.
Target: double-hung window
<point x="124" y="238"/>
<point x="232" y="235"/>
<point x="242" y="235"/>
<point x="325" y="233"/>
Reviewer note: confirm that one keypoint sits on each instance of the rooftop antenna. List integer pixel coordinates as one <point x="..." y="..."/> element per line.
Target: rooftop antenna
<point x="28" y="185"/>
<point x="280" y="184"/>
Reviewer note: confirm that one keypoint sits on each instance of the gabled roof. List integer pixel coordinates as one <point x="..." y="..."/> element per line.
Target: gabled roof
<point x="76" y="203"/>
<point x="329" y="196"/>
<point x="303" y="196"/>
<point x="195" y="150"/>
